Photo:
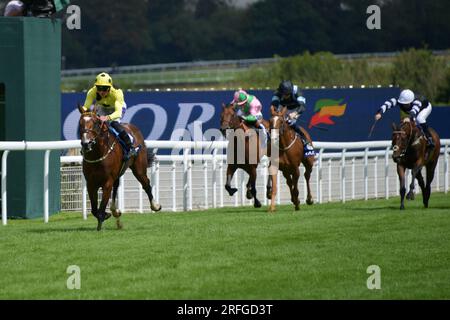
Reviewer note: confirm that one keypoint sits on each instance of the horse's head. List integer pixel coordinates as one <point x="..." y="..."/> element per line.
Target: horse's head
<point x="401" y="139"/>
<point x="277" y="122"/>
<point x="228" y="118"/>
<point x="90" y="127"/>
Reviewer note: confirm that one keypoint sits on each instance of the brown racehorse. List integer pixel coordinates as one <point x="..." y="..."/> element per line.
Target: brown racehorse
<point x="103" y="164"/>
<point x="247" y="159"/>
<point x="290" y="156"/>
<point x="410" y="152"/>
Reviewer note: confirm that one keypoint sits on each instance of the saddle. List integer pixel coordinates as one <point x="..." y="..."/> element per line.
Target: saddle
<point x="123" y="144"/>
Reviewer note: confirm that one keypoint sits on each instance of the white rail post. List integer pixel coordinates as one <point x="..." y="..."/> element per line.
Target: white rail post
<point x="278" y="187"/>
<point x="185" y="180"/>
<point x="366" y="173"/>
<point x="375" y="161"/>
<point x="353" y="178"/>
<point x="319" y="170"/>
<point x="205" y="182"/>
<point x="174" y="186"/>
<point x="141" y="199"/>
<point x="122" y="193"/>
<point x="266" y="176"/>
<point x="221" y="187"/>
<point x="329" y="180"/>
<point x="157" y="184"/>
<point x="190" y="183"/>
<point x="386" y="173"/>
<point x="84" y="197"/>
<point x="243" y="187"/>
<point x="46" y="172"/>
<point x="446" y="169"/>
<point x="343" y="175"/>
<point x="214" y="178"/>
<point x="4" y="195"/>
<point x="236" y="185"/>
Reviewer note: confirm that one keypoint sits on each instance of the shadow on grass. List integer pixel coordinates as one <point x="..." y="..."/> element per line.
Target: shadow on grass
<point x="50" y="230"/>
<point x="397" y="208"/>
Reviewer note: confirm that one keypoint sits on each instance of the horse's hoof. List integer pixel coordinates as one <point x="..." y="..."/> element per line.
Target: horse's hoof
<point x="155" y="206"/>
<point x="231" y="191"/>
<point x="309" y="202"/>
<point x="249" y="195"/>
<point x="257" y="204"/>
<point x="271" y="210"/>
<point x="410" y="196"/>
<point x="116" y="213"/>
<point x="119" y="224"/>
<point x="297" y="207"/>
<point x="107" y="216"/>
<point x="402" y="207"/>
<point x="99" y="226"/>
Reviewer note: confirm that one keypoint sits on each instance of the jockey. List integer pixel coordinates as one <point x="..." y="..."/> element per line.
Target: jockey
<point x="288" y="95"/>
<point x="249" y="109"/>
<point x="111" y="107"/>
<point x="411" y="108"/>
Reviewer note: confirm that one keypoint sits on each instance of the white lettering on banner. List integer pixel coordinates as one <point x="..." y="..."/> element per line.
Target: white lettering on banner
<point x="70" y="125"/>
<point x="158" y="126"/>
<point x="186" y="109"/>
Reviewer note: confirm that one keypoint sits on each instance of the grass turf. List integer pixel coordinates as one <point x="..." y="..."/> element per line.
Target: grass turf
<point x="321" y="252"/>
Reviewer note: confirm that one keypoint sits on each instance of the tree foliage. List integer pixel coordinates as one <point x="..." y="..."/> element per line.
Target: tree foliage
<point x="156" y="31"/>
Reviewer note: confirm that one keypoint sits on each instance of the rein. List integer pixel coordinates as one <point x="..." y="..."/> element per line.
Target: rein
<point x="110" y="148"/>
<point x="281" y="133"/>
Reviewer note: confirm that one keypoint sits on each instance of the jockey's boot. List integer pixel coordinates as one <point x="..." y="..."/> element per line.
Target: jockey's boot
<point x="426" y="132"/>
<point x="131" y="151"/>
<point x="302" y="136"/>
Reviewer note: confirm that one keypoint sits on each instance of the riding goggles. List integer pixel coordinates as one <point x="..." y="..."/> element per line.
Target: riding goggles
<point x="102" y="88"/>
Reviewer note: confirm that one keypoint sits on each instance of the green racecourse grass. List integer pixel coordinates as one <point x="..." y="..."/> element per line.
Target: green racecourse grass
<point x="320" y="252"/>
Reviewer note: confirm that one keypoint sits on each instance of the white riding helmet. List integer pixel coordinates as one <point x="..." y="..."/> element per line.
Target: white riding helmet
<point x="406" y="97"/>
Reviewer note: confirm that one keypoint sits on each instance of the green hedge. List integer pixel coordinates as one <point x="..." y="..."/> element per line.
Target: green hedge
<point x="418" y="70"/>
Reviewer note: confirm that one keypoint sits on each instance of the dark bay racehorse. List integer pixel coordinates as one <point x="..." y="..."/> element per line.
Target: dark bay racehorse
<point x="103" y="164"/>
<point x="246" y="159"/>
<point x="290" y="156"/>
<point x="410" y="151"/>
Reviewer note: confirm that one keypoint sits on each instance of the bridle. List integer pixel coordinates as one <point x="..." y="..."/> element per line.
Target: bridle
<point x="93" y="141"/>
<point x="396" y="147"/>
<point x="281" y="132"/>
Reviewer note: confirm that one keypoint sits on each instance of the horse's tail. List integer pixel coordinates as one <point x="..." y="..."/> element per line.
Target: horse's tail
<point x="151" y="158"/>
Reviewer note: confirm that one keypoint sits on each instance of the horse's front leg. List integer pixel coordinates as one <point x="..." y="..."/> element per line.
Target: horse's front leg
<point x="252" y="181"/>
<point x="412" y="185"/>
<point x="308" y="163"/>
<point x="231" y="169"/>
<point x="401" y="177"/>
<point x="93" y="194"/>
<point x="106" y="194"/>
<point x="295" y="192"/>
<point x="116" y="212"/>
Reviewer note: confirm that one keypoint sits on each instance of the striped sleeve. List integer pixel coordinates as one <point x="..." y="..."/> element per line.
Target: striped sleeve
<point x="417" y="106"/>
<point x="387" y="105"/>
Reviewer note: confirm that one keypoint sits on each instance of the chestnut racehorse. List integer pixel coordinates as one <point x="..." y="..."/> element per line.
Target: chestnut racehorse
<point x="103" y="164"/>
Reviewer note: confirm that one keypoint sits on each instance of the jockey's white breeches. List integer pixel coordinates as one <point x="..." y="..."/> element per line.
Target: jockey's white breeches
<point x="423" y="115"/>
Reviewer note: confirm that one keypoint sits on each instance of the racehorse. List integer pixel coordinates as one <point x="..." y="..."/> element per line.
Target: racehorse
<point x="103" y="164"/>
<point x="290" y="155"/>
<point x="248" y="161"/>
<point x="410" y="151"/>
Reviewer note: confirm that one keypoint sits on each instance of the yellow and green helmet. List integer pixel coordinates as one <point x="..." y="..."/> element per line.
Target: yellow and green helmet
<point x="103" y="79"/>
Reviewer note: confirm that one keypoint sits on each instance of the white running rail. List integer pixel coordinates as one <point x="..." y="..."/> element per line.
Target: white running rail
<point x="330" y="174"/>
